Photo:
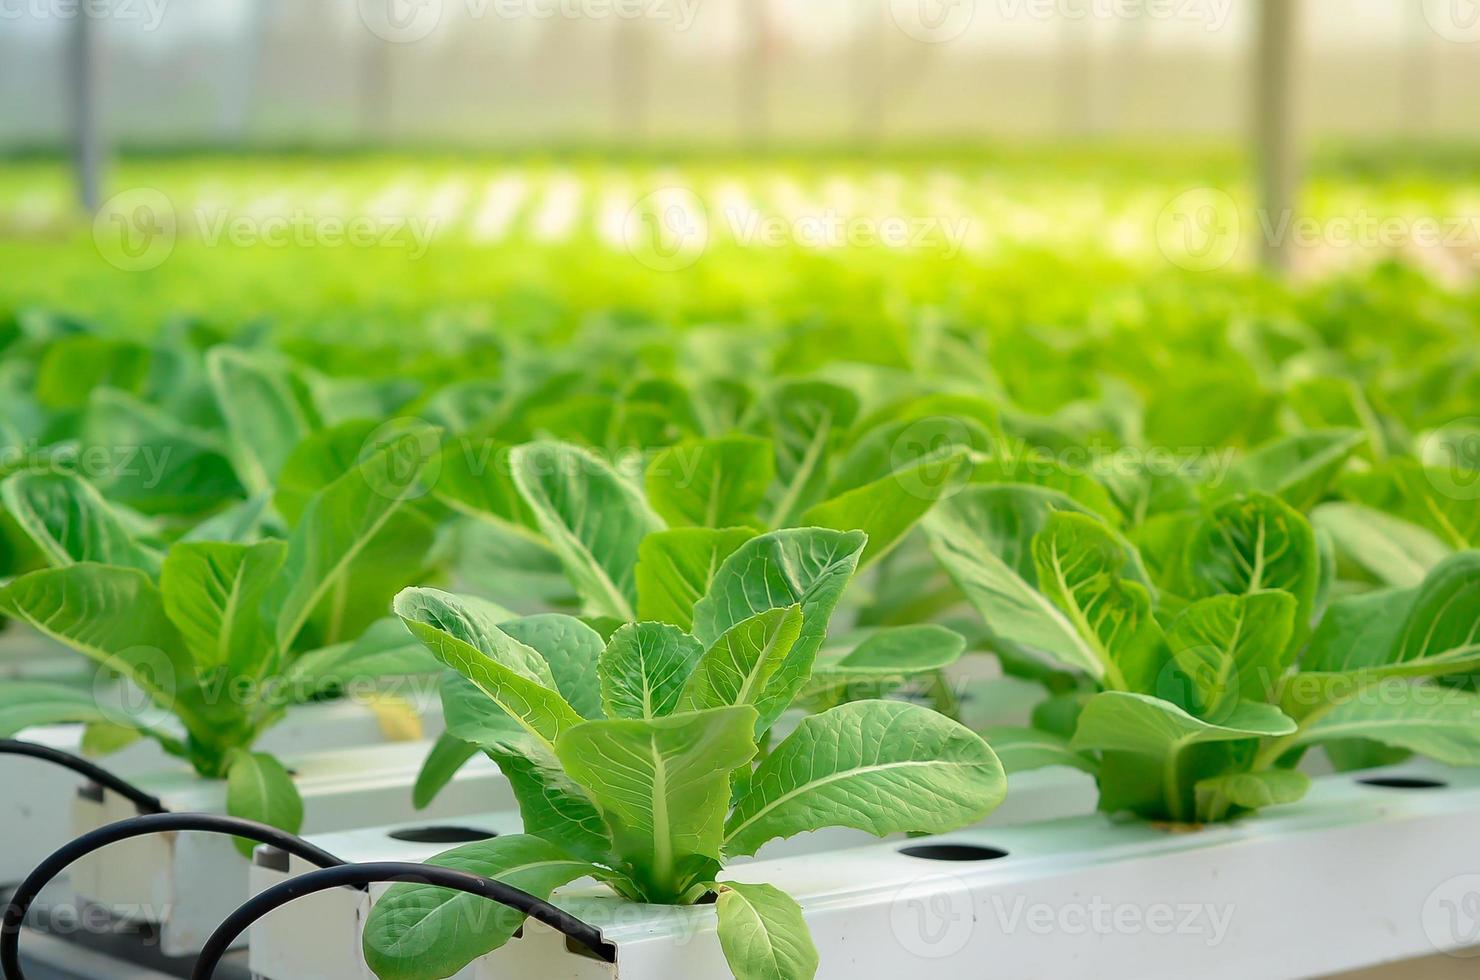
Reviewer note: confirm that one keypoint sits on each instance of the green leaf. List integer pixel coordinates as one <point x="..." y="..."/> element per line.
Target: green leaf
<point x="886" y="659"/>
<point x="1249" y="545"/>
<point x="513" y="676"/>
<point x="888" y="508"/>
<point x="763" y="933"/>
<point x="643" y="669"/>
<point x="1298" y="468"/>
<point x="807" y="421"/>
<point x="899" y="650"/>
<point x="1146" y="765"/>
<point x="572" y="650"/>
<point x="1079" y="561"/>
<point x="982" y="536"/>
<point x="213" y="593"/>
<point x="736" y="669"/>
<point x="420" y="931"/>
<point x="385" y="649"/>
<point x="239" y="523"/>
<point x="1248" y="791"/>
<point x="675" y="569"/>
<point x="1436" y="499"/>
<point x="100" y="738"/>
<point x="879" y="766"/>
<point x="593" y="517"/>
<point x="1430" y="631"/>
<point x="1358" y="632"/>
<point x="448" y="755"/>
<point x="70" y="521"/>
<point x="72" y="367"/>
<point x="1387" y="547"/>
<point x="1042" y="469"/>
<point x="809" y="567"/>
<point x="267" y="412"/>
<point x="342" y="523"/>
<point x="711" y="482"/>
<point x="1025" y="749"/>
<point x="1439" y="722"/>
<point x="259" y="788"/>
<point x="154" y="461"/>
<point x="1234" y="647"/>
<point x="475" y="480"/>
<point x="1121" y="721"/>
<point x="551" y="805"/>
<point x="663" y="786"/>
<point x="896" y="444"/>
<point x="114" y="616"/>
<point x="27" y="703"/>
<point x="1446" y="612"/>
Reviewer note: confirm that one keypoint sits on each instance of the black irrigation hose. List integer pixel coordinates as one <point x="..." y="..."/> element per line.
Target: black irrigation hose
<point x="154" y="823"/>
<point x="361" y="875"/>
<point x="104" y="778"/>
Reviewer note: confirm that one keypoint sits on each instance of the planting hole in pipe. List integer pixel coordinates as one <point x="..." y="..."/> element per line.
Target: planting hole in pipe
<point x="953" y="852"/>
<point x="1403" y="782"/>
<point x="441" y="835"/>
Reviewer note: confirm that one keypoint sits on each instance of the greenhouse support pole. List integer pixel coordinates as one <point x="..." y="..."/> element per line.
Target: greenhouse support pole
<point x="869" y="81"/>
<point x="1420" y="75"/>
<point x="754" y="81"/>
<point x="82" y="67"/>
<point x="1274" y="128"/>
<point x="1076" y="81"/>
<point x="631" y="116"/>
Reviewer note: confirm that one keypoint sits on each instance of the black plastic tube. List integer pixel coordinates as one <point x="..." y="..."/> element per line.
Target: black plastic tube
<point x="361" y="875"/>
<point x="154" y="823"/>
<point x="145" y="802"/>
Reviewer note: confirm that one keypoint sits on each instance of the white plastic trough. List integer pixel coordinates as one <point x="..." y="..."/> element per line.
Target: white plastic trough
<point x="34" y="809"/>
<point x="1357" y="875"/>
<point x="187" y="883"/>
<point x="319" y="936"/>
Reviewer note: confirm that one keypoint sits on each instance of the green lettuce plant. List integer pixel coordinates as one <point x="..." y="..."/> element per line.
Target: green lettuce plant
<point x="1202" y="684"/>
<point x="221" y="635"/>
<point x="641" y="761"/>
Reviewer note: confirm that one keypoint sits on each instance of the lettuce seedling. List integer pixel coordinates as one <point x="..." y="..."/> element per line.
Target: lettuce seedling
<point x="1214" y="677"/>
<point x="213" y="632"/>
<point x="637" y="761"/>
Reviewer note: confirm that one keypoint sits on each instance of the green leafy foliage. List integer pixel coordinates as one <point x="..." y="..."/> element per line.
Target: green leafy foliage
<point x="1249" y="647"/>
<point x="212" y="631"/>
<point x="642" y="794"/>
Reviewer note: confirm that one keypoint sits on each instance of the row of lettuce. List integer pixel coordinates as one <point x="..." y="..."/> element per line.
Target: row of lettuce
<point x="696" y="590"/>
